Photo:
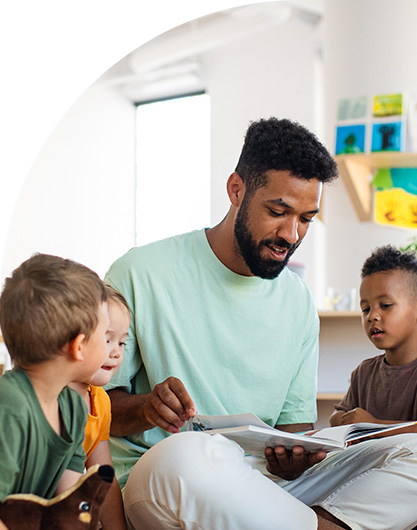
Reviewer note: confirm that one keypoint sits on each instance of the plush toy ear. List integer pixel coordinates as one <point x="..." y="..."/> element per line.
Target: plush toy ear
<point x="75" y="509"/>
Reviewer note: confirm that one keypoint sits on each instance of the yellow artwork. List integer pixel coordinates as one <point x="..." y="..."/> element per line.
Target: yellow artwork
<point x="395" y="207"/>
<point x="388" y="105"/>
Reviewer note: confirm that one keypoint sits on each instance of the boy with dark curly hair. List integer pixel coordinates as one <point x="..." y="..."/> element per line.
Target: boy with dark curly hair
<point x="382" y="389"/>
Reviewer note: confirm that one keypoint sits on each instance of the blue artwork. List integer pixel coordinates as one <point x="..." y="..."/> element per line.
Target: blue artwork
<point x="387" y="136"/>
<point x="350" y="139"/>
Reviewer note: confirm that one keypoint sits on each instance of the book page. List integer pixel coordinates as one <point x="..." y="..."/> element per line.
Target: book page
<point x="255" y="439"/>
<point x="337" y="433"/>
<point x="361" y="431"/>
<point x="378" y="431"/>
<point x="207" y="423"/>
<point x="254" y="435"/>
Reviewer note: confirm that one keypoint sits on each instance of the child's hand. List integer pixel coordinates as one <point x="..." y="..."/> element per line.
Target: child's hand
<point x="357" y="415"/>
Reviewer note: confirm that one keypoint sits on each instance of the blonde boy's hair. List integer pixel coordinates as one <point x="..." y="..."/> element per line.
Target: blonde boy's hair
<point x="113" y="294"/>
<point x="45" y="304"/>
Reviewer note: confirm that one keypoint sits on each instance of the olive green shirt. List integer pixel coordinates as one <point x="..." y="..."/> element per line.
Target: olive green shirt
<point x="32" y="455"/>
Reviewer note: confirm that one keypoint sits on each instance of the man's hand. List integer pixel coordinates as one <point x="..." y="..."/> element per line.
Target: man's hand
<point x="357" y="415"/>
<point x="169" y="405"/>
<point x="290" y="464"/>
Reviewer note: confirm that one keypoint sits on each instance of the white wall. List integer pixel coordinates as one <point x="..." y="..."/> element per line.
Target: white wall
<point x="78" y="199"/>
<point x="268" y="74"/>
<point x="50" y="53"/>
<point x="370" y="48"/>
<point x="367" y="50"/>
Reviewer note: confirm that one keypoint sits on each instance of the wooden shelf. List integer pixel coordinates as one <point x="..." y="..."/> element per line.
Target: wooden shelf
<point x="357" y="172"/>
<point x="330" y="396"/>
<point x="339" y="314"/>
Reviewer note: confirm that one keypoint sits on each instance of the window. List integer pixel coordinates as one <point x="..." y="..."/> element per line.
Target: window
<point x="172" y="167"/>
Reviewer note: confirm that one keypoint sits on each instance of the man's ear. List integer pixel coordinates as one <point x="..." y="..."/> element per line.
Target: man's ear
<point x="76" y="347"/>
<point x="235" y="189"/>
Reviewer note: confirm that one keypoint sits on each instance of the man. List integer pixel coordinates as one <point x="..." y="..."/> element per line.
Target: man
<point x="220" y="325"/>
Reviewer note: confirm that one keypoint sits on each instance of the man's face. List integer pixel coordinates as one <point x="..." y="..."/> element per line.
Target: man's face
<point x="271" y="224"/>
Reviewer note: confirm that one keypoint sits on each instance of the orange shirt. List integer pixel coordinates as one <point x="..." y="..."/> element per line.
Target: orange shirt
<point x="97" y="427"/>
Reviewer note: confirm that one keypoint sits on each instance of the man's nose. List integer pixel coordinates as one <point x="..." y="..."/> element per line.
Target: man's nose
<point x="289" y="231"/>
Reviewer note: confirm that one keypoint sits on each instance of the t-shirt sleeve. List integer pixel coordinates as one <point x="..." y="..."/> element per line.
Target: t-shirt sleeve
<point x="77" y="461"/>
<point x="300" y="403"/>
<point x="97" y="428"/>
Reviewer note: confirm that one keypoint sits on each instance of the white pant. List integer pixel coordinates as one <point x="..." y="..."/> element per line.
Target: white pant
<point x="195" y="481"/>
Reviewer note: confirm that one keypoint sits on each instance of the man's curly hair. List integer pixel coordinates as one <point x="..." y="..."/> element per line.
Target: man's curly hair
<point x="283" y="145"/>
<point x="388" y="258"/>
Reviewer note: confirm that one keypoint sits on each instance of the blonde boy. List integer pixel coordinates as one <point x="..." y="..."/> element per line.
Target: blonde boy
<point x="53" y="317"/>
<point x="97" y="430"/>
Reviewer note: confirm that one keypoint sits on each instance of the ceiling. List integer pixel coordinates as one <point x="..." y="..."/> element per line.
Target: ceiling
<point x="173" y="60"/>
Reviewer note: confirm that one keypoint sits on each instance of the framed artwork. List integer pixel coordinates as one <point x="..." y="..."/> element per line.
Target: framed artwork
<point x="388" y="136"/>
<point x="350" y="139"/>
<point x="395" y="201"/>
<point x="352" y="108"/>
<point x="388" y="105"/>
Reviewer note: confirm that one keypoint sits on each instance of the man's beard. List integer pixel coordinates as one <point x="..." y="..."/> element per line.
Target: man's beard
<point x="265" y="268"/>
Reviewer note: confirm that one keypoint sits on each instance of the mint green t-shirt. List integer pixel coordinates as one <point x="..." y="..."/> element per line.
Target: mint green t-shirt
<point x="32" y="455"/>
<point x="238" y="343"/>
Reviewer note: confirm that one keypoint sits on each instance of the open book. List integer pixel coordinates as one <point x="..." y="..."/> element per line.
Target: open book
<point x="253" y="435"/>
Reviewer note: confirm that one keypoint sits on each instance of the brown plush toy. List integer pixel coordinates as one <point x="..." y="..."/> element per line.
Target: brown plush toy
<point x="75" y="509"/>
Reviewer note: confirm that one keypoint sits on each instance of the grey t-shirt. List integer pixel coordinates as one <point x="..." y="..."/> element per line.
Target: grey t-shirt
<point x="387" y="392"/>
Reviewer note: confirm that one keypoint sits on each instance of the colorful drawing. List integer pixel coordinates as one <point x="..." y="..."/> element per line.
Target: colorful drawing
<point x="388" y="105"/>
<point x="388" y="136"/>
<point x="396" y="197"/>
<point x="352" y="108"/>
<point x="350" y="139"/>
<point x="405" y="177"/>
